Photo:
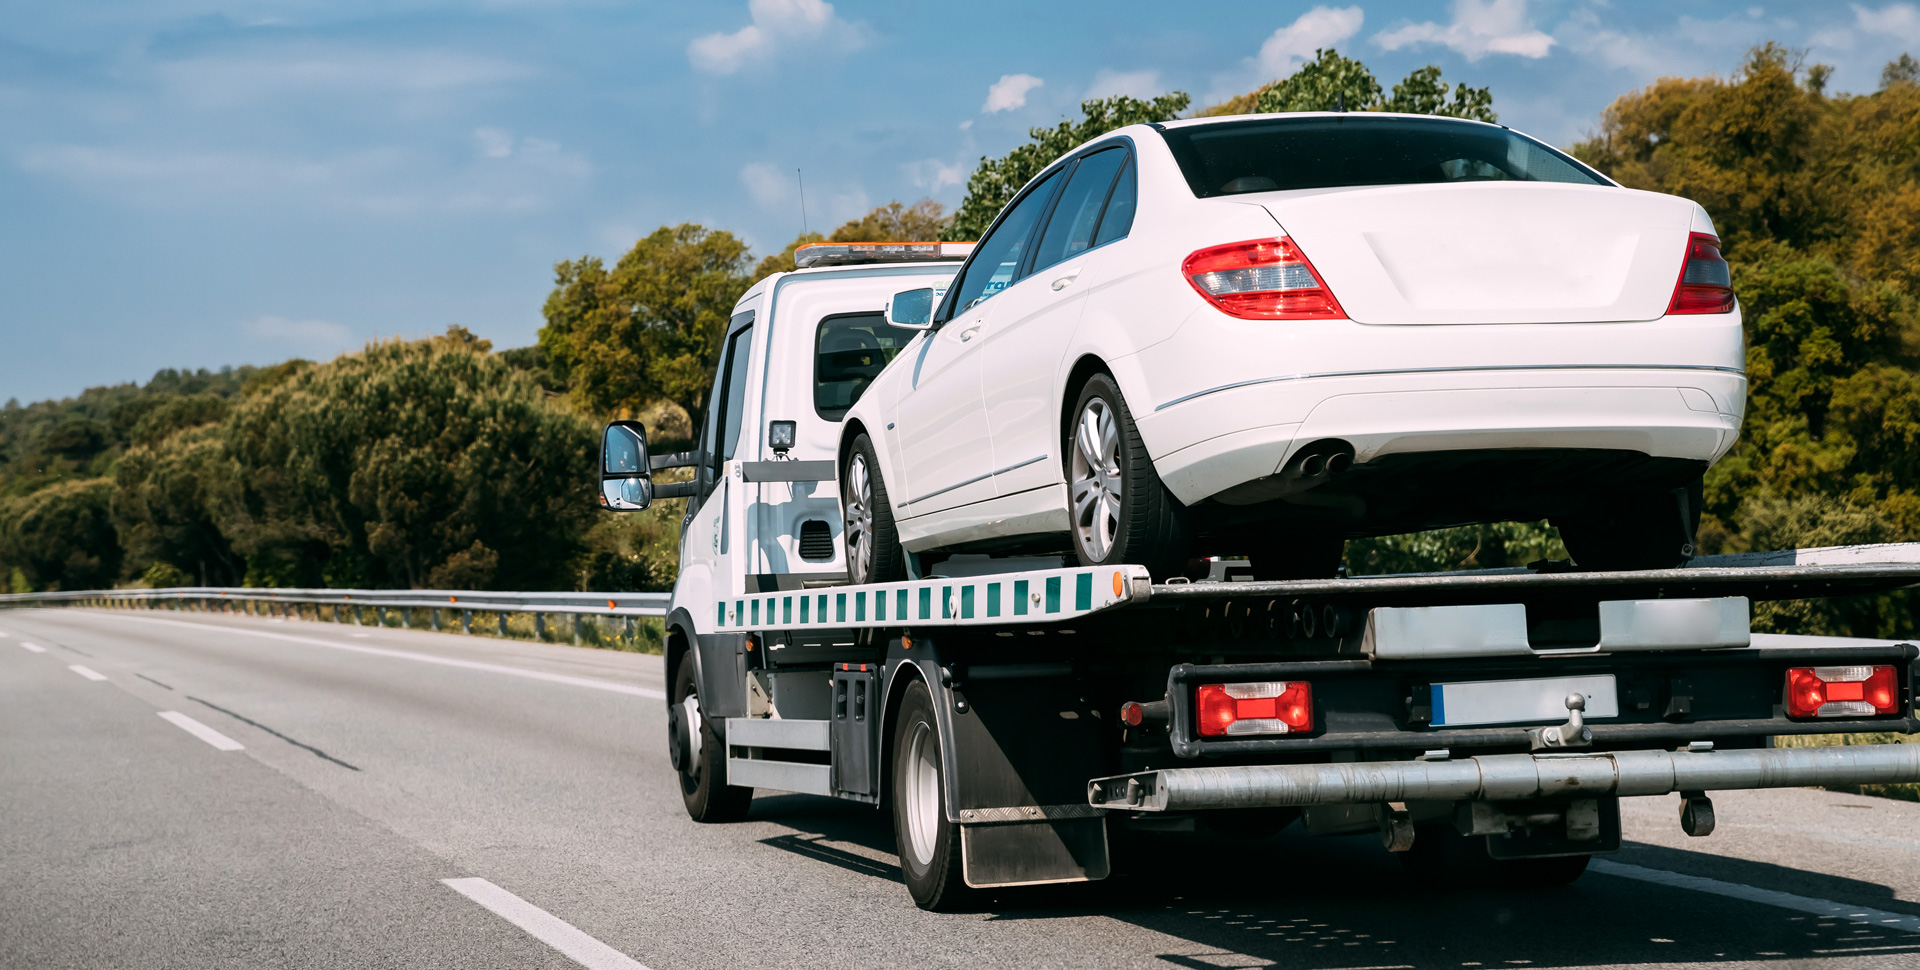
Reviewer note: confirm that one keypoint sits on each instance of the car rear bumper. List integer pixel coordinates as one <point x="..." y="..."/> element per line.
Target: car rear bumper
<point x="1207" y="442"/>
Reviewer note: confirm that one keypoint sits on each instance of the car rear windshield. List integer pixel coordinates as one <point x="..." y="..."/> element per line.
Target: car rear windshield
<point x="1274" y="154"/>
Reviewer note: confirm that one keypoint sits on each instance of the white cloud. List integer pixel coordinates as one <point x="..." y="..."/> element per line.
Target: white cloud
<point x="330" y="73"/>
<point x="1479" y="28"/>
<point x="932" y="174"/>
<point x="1295" y="44"/>
<point x="493" y="142"/>
<point x="1133" y="84"/>
<point x="1010" y="92"/>
<point x="319" y="338"/>
<point x="776" y="24"/>
<point x="1897" y="20"/>
<point x="768" y="185"/>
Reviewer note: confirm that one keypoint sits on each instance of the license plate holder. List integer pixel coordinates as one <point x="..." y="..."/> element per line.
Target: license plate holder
<point x="1536" y="700"/>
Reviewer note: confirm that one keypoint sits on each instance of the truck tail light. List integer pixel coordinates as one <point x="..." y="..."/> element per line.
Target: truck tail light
<point x="1262" y="279"/>
<point x="1268" y="707"/>
<point x="1860" y="691"/>
<point x="1706" y="285"/>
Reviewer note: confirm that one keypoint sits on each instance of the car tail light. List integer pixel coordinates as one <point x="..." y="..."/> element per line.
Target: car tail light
<point x="1269" y="707"/>
<point x="1860" y="691"/>
<point x="1262" y="279"/>
<point x="1706" y="285"/>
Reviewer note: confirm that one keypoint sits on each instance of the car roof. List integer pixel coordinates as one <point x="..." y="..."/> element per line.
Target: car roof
<point x="1220" y="119"/>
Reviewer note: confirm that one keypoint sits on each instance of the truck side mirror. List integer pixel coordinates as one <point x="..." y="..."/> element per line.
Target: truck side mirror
<point x="911" y="309"/>
<point x="626" y="476"/>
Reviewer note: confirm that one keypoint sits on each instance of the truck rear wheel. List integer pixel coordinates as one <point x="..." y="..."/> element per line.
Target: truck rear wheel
<point x="929" y="843"/>
<point x="873" y="545"/>
<point x="1120" y="511"/>
<point x="701" y="756"/>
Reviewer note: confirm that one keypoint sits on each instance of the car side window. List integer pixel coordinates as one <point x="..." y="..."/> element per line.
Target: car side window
<point x="1118" y="220"/>
<point x="848" y="353"/>
<point x="996" y="260"/>
<point x="1070" y="229"/>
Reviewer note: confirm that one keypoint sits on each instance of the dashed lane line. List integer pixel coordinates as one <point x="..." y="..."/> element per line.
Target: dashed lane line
<point x="544" y="926"/>
<point x="36" y="648"/>
<point x="201" y="731"/>
<point x="1753" y="894"/>
<point x="87" y="672"/>
<point x="592" y="683"/>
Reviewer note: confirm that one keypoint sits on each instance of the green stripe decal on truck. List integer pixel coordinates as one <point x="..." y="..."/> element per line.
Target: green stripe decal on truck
<point x="1083" y="591"/>
<point x="1053" y="594"/>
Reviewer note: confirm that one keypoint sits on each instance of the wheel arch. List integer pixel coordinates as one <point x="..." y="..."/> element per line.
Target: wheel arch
<point x="1082" y="371"/>
<point x="678" y="648"/>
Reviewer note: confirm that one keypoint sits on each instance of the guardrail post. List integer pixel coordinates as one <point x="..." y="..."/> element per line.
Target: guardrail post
<point x="406" y="617"/>
<point x="540" y="626"/>
<point x="503" y="622"/>
<point x="435" y="618"/>
<point x="577" y="619"/>
<point x="466" y="622"/>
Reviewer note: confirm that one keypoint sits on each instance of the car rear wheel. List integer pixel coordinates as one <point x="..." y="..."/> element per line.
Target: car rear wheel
<point x="873" y="546"/>
<point x="1635" y="530"/>
<point x="1121" y="513"/>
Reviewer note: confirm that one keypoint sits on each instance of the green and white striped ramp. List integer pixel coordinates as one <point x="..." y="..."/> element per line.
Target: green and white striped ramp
<point x="1039" y="596"/>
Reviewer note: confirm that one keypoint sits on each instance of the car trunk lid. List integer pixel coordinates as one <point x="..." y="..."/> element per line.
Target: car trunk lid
<point x="1506" y="252"/>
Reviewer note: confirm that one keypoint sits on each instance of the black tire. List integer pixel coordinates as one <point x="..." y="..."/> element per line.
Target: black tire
<point x="1442" y="856"/>
<point x="872" y="543"/>
<point x="1120" y="511"/>
<point x="705" y="801"/>
<point x="1635" y="530"/>
<point x="929" y="844"/>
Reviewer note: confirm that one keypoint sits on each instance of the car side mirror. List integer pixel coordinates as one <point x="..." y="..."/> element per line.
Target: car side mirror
<point x="626" y="474"/>
<point x="911" y="309"/>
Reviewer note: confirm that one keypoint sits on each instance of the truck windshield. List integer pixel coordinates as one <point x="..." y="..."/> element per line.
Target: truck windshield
<point x="1276" y="154"/>
<point x="848" y="353"/>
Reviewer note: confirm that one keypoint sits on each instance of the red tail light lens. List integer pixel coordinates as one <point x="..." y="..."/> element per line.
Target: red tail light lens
<point x="1270" y="707"/>
<point x="1262" y="279"/>
<point x="1860" y="691"/>
<point x="1706" y="284"/>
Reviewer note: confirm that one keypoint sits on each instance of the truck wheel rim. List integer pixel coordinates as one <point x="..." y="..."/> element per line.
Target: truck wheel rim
<point x="690" y="706"/>
<point x="1096" y="479"/>
<point x="923" y="793"/>
<point x="859" y="503"/>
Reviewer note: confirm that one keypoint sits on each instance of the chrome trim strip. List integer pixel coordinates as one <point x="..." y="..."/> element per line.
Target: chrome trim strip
<point x="1446" y="370"/>
<point x="977" y="478"/>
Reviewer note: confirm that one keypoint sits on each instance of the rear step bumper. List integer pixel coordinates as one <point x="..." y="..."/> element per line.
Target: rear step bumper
<point x="1502" y="777"/>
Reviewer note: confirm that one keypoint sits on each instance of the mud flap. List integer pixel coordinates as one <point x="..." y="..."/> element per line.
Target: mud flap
<point x="1031" y="853"/>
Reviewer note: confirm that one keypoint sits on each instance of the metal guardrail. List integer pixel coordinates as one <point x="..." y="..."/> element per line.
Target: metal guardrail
<point x="352" y="601"/>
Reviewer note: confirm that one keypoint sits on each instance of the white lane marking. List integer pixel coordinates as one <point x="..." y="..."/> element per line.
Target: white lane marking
<point x="544" y="926"/>
<point x="202" y="731"/>
<point x="87" y="672"/>
<point x="1769" y="897"/>
<point x="36" y="648"/>
<point x="587" y="682"/>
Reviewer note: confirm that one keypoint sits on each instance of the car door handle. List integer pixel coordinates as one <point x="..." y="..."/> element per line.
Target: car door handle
<point x="968" y="333"/>
<point x="1066" y="281"/>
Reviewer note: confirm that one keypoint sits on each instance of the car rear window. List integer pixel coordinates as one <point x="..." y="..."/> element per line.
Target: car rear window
<point x="848" y="353"/>
<point x="1273" y="154"/>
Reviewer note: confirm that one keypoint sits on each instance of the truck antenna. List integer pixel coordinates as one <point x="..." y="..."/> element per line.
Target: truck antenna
<point x="803" y="200"/>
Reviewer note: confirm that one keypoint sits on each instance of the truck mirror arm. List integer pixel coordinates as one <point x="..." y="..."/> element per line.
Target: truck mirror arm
<point x="679" y="459"/>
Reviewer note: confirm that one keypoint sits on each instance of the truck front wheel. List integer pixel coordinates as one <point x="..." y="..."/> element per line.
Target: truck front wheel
<point x="929" y="843"/>
<point x="700" y="756"/>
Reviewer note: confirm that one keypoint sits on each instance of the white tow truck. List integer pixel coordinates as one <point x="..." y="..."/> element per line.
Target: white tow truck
<point x="1009" y="710"/>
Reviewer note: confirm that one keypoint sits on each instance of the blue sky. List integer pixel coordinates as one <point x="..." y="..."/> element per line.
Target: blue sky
<point x="190" y="183"/>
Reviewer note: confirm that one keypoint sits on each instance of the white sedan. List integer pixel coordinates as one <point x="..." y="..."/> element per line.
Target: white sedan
<point x="1264" y="335"/>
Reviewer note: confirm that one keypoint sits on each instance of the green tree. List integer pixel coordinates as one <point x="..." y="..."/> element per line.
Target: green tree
<point x="428" y="463"/>
<point x="168" y="503"/>
<point x="61" y="536"/>
<point x="894" y="222"/>
<point x="1331" y="82"/>
<point x="651" y="326"/>
<point x="993" y="184"/>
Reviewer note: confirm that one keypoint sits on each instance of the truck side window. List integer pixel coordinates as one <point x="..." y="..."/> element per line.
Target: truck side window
<point x="1069" y="230"/>
<point x="1118" y="220"/>
<point x="996" y="260"/>
<point x="732" y="393"/>
<point x="848" y="353"/>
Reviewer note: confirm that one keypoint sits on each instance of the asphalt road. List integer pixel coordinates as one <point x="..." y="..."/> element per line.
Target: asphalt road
<point x="406" y="799"/>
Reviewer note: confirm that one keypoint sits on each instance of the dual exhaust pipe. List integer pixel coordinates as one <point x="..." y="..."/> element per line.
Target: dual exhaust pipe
<point x="1318" y="462"/>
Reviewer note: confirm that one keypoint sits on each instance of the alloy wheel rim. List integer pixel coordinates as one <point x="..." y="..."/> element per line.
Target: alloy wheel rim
<point x="690" y="707"/>
<point x="1096" y="488"/>
<point x="859" y="516"/>
<point x="923" y="793"/>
